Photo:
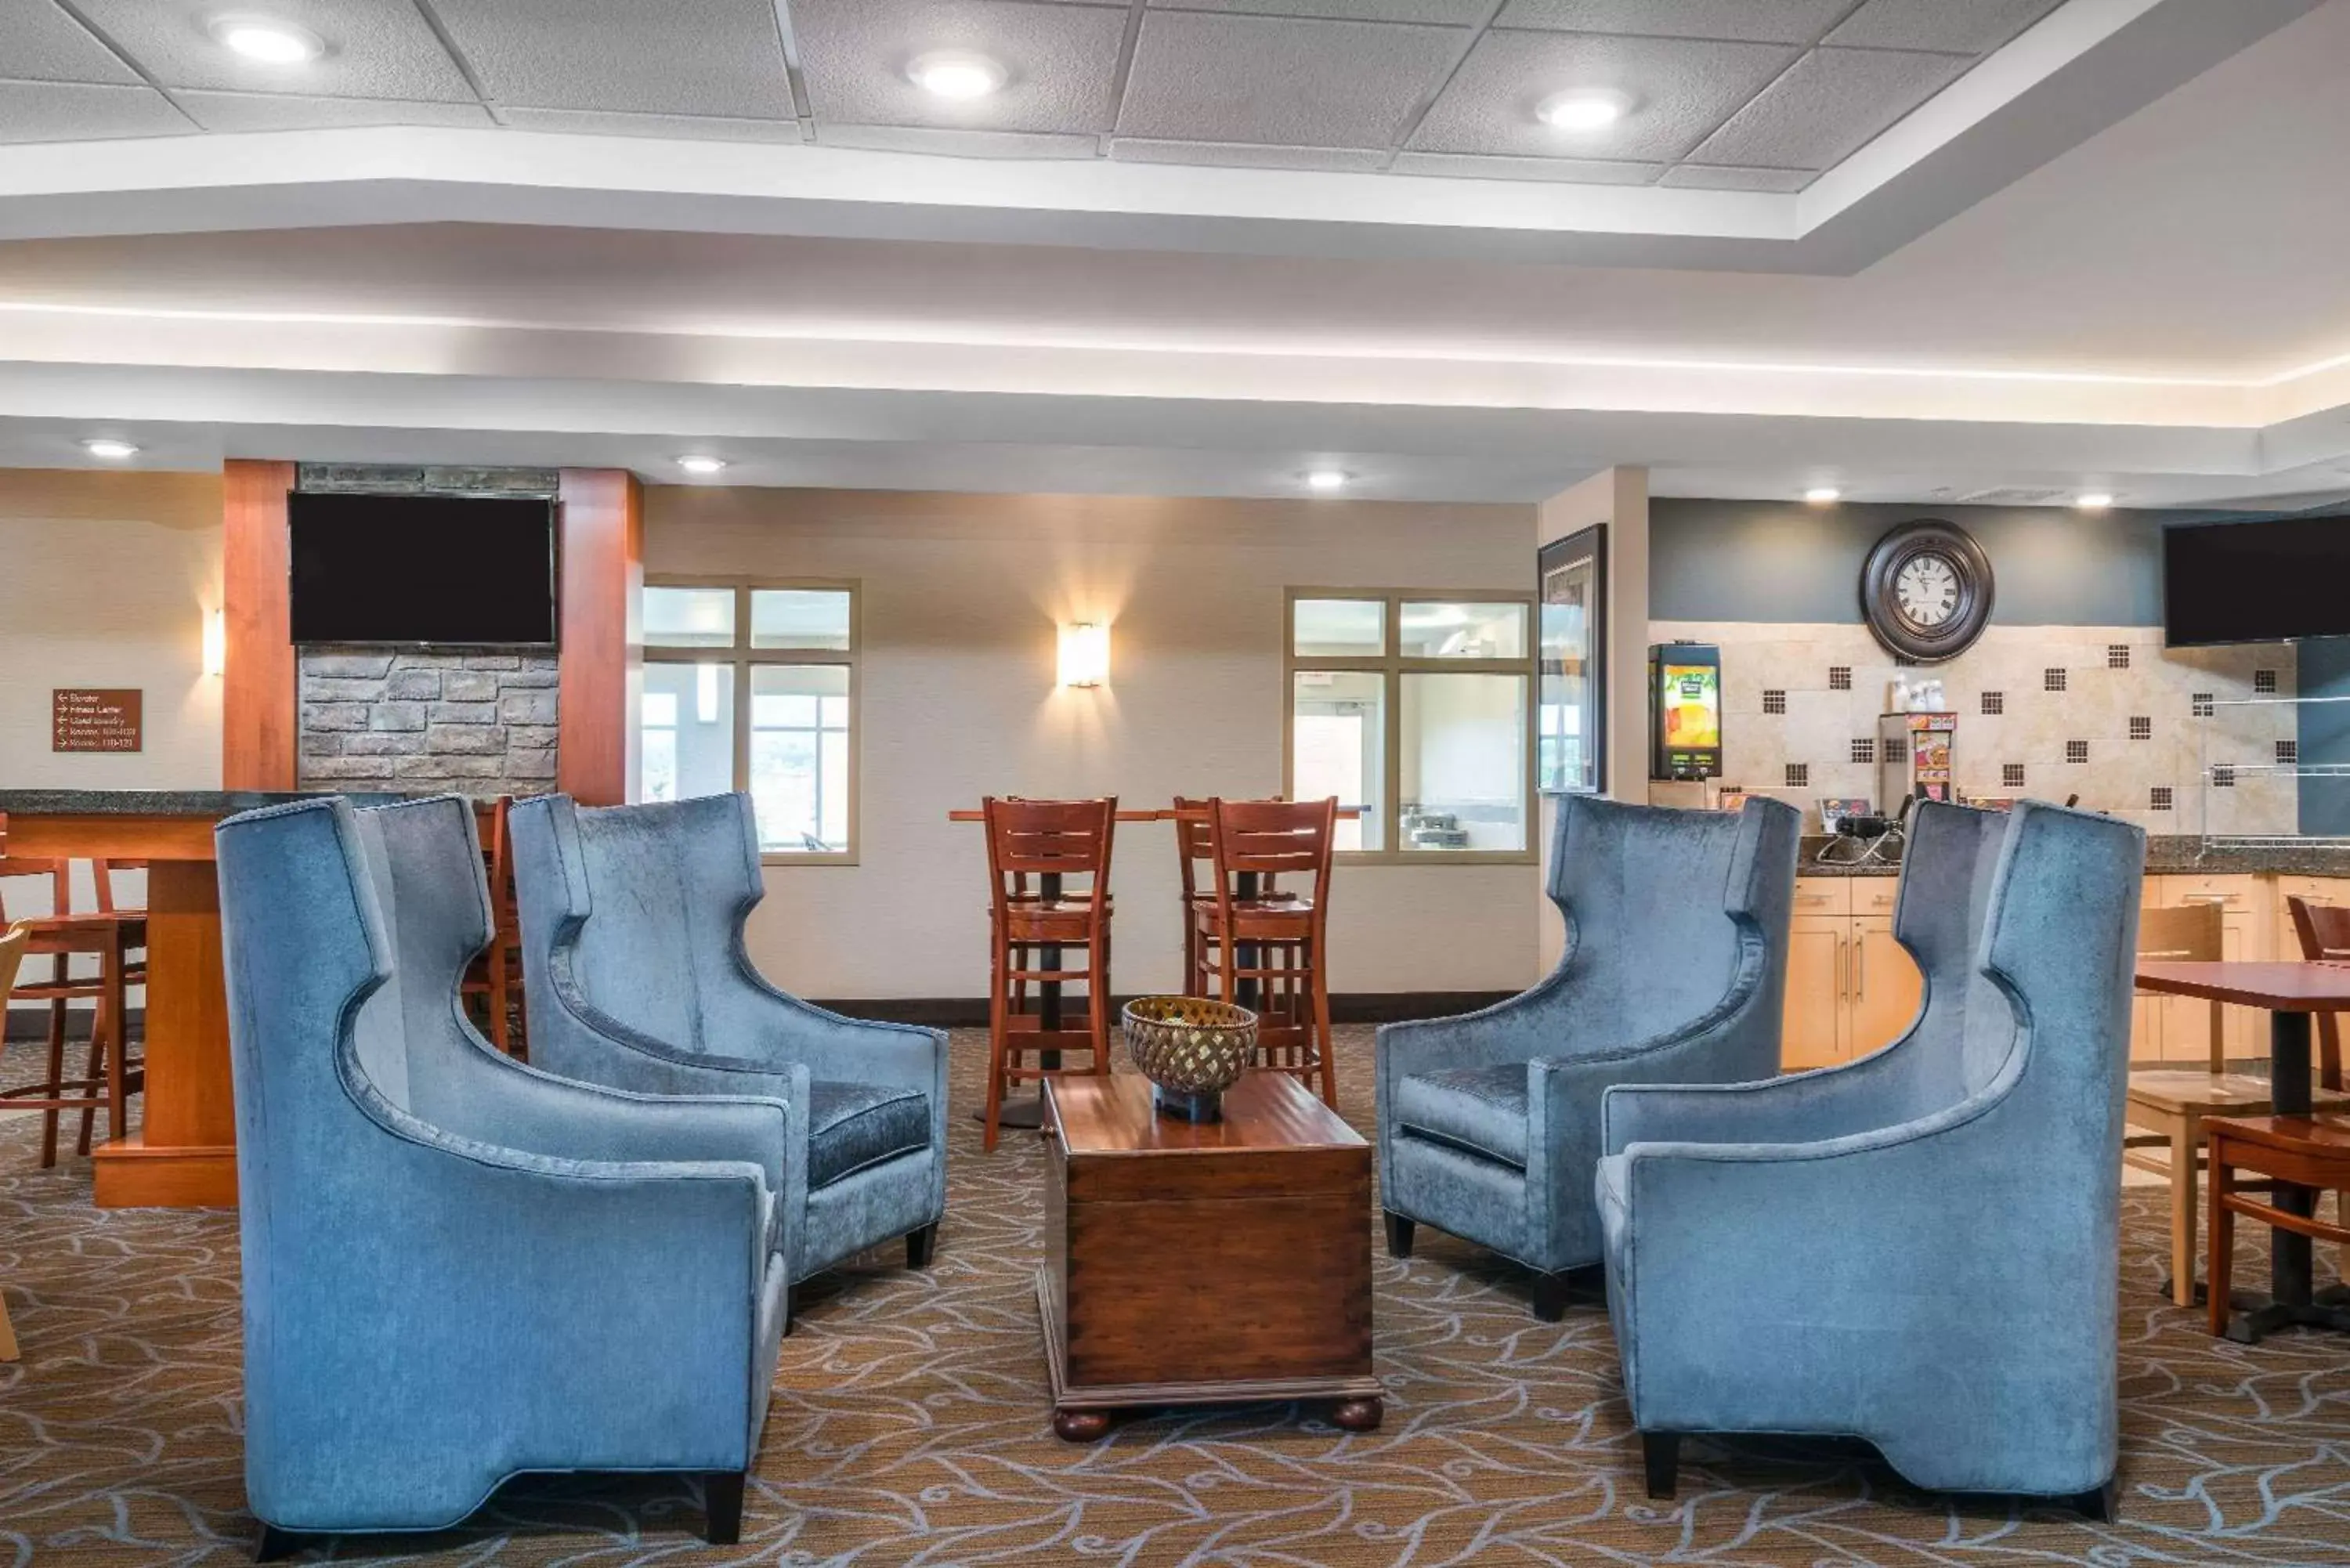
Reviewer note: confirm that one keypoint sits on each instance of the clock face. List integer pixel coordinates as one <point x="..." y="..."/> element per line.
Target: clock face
<point x="1926" y="589"/>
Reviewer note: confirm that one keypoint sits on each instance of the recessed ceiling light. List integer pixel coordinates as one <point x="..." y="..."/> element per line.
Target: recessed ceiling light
<point x="1823" y="494"/>
<point x="108" y="447"/>
<point x="1325" y="479"/>
<point x="1583" y="109"/>
<point x="2092" y="501"/>
<point x="956" y="74"/>
<point x="697" y="462"/>
<point x="266" y="40"/>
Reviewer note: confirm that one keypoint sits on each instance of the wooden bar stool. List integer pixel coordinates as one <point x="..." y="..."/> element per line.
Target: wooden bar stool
<point x="492" y="980"/>
<point x="12" y="956"/>
<point x="111" y="937"/>
<point x="2303" y="1151"/>
<point x="1031" y="933"/>
<point x="1267" y="948"/>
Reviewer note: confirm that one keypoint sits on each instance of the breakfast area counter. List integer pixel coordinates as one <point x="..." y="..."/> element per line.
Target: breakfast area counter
<point x="2166" y="854"/>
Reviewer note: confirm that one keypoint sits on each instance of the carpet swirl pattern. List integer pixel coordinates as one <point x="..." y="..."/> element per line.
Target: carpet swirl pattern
<point x="909" y="1426"/>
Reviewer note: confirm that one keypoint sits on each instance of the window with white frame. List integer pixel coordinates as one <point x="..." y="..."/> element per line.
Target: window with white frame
<point x="1414" y="708"/>
<point x="753" y="685"/>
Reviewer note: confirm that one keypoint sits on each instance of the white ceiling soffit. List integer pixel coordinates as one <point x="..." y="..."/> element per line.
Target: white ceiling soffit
<point x="2081" y="67"/>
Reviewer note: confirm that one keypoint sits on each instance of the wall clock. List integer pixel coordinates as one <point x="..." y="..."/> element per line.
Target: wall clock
<point x="1926" y="590"/>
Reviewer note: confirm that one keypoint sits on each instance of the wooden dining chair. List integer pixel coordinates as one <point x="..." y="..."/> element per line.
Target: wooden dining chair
<point x="2324" y="932"/>
<point x="1192" y="850"/>
<point x="1267" y="946"/>
<point x="110" y="936"/>
<point x="2311" y="1151"/>
<point x="493" y="981"/>
<point x="1031" y="932"/>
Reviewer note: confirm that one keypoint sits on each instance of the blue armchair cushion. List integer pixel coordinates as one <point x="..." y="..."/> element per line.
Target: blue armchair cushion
<point x="853" y="1125"/>
<point x="1478" y="1110"/>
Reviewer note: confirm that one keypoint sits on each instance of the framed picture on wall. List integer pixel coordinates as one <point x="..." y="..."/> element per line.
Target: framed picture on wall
<point x="1571" y="706"/>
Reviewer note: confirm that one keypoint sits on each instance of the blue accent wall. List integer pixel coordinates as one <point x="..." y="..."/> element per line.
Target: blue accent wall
<point x="1784" y="561"/>
<point x="2324" y="666"/>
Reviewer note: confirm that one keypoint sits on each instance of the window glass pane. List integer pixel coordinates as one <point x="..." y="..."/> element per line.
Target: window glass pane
<point x="1340" y="629"/>
<point x="689" y="617"/>
<point x="686" y="731"/>
<point x="1464" y="762"/>
<point x="1338" y="747"/>
<point x="799" y="757"/>
<point x="1439" y="630"/>
<point x="799" y="618"/>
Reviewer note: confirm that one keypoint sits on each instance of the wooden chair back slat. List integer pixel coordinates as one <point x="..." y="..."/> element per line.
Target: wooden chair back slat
<point x="1069" y="838"/>
<point x="1194" y="842"/>
<point x="1273" y="838"/>
<point x="2325" y="933"/>
<point x="2188" y="934"/>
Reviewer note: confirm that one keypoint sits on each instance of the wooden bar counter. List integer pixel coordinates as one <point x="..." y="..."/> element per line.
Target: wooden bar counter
<point x="184" y="1154"/>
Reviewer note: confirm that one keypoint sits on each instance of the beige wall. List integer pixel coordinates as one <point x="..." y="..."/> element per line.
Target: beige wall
<point x="962" y="598"/>
<point x="104" y="581"/>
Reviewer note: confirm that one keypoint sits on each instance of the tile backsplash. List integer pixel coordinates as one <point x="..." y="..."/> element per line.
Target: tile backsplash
<point x="2105" y="713"/>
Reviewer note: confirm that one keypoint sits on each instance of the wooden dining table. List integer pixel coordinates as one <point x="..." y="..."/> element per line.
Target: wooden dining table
<point x="1029" y="1112"/>
<point x="2289" y="993"/>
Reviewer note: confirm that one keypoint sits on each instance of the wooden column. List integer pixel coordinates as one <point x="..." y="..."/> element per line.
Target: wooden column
<point x="257" y="688"/>
<point x="602" y="660"/>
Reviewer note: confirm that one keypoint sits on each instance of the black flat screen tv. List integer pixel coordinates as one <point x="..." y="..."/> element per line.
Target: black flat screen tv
<point x="2255" y="582"/>
<point x="463" y="571"/>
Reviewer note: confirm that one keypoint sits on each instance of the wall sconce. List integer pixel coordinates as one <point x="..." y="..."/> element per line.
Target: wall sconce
<point x="215" y="642"/>
<point x="1085" y="654"/>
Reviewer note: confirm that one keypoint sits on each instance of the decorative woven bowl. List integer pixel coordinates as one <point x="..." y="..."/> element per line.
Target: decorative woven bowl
<point x="1191" y="1050"/>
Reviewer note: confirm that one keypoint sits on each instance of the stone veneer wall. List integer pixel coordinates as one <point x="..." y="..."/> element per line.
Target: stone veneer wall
<point x="410" y="722"/>
<point x="2105" y="712"/>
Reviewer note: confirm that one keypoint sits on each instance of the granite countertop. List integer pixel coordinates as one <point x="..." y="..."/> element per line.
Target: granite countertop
<point x="2166" y="854"/>
<point x="212" y="802"/>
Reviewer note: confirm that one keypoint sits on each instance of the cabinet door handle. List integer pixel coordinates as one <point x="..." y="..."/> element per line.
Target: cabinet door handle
<point x="1840" y="968"/>
<point x="2208" y="899"/>
<point x="1859" y="970"/>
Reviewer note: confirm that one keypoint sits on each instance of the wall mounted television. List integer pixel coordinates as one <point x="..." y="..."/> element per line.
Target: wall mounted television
<point x="461" y="571"/>
<point x="2255" y="582"/>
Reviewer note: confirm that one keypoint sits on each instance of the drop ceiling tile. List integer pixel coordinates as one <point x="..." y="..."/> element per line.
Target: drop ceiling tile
<point x="1560" y="170"/>
<point x="1061" y="59"/>
<point x="373" y="49"/>
<point x="1681" y="88"/>
<point x="1281" y="81"/>
<point x="40" y="43"/>
<point x="717" y="57"/>
<point x="1247" y="155"/>
<point x="1752" y="21"/>
<point x="76" y="112"/>
<point x="664" y="126"/>
<point x="240" y="111"/>
<point x="1702" y="177"/>
<point x="1455" y="13"/>
<point x="1960" y="27"/>
<point x="933" y="140"/>
<point x="1829" y="104"/>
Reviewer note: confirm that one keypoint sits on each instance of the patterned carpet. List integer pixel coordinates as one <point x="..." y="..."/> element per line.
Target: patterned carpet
<point x="910" y="1427"/>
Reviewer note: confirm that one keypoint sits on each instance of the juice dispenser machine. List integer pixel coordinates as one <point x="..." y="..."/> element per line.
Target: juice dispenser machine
<point x="1684" y="711"/>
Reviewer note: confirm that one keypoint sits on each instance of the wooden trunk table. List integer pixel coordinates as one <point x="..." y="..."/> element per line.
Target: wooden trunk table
<point x="1203" y="1264"/>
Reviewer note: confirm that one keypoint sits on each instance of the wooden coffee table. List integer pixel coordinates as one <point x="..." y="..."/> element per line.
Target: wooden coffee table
<point x="1203" y="1264"/>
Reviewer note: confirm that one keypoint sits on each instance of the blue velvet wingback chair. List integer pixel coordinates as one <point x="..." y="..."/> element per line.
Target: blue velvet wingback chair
<point x="457" y="1270"/>
<point x="1916" y="1248"/>
<point x="636" y="977"/>
<point x="1675" y="968"/>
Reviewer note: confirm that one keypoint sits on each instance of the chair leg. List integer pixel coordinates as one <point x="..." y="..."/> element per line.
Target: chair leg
<point x="1398" y="1235"/>
<point x="1660" y="1457"/>
<point x="998" y="1030"/>
<point x="722" y="1506"/>
<point x="2186" y="1138"/>
<point x="2100" y="1504"/>
<point x="8" y="1351"/>
<point x="275" y="1544"/>
<point x="498" y="994"/>
<point x="99" y="1030"/>
<point x="1550" y="1296"/>
<point x="56" y="1076"/>
<point x="1099" y="1000"/>
<point x="919" y="1244"/>
<point x="1325" y="1046"/>
<point x="2220" y="1271"/>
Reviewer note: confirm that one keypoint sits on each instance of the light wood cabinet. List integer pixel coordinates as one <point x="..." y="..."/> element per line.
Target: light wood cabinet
<point x="2246" y="930"/>
<point x="1851" y="987"/>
